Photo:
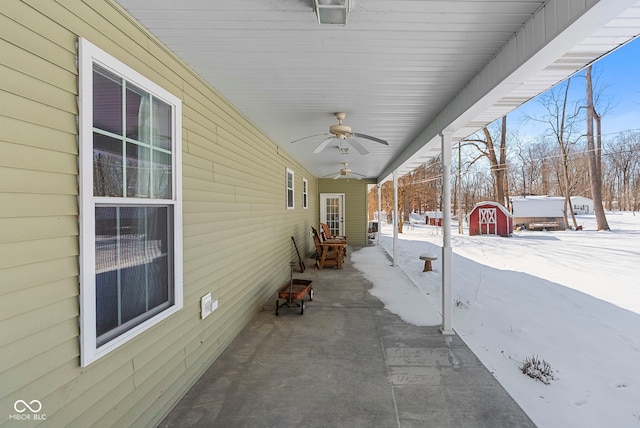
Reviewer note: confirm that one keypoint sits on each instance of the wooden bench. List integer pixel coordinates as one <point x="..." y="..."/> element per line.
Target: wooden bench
<point x="428" y="258"/>
<point x="327" y="237"/>
<point x="330" y="252"/>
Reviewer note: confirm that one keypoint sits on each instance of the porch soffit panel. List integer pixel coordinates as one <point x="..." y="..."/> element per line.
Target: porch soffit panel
<point x="391" y="69"/>
<point x="402" y="71"/>
<point x="559" y="40"/>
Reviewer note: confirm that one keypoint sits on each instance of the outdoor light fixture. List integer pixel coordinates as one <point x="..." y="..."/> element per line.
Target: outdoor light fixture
<point x="332" y="12"/>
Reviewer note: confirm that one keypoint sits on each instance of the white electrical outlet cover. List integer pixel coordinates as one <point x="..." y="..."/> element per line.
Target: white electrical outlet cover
<point x="205" y="305"/>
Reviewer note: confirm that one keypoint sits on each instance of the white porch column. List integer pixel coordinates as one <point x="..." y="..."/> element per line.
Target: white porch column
<point x="395" y="218"/>
<point x="460" y="219"/>
<point x="379" y="215"/>
<point x="447" y="253"/>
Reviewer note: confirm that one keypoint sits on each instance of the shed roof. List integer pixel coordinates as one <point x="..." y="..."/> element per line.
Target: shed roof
<point x="493" y="204"/>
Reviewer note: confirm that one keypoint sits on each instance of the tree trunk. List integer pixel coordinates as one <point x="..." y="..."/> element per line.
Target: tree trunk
<point x="497" y="165"/>
<point x="565" y="163"/>
<point x="502" y="164"/>
<point x="496" y="171"/>
<point x="595" y="162"/>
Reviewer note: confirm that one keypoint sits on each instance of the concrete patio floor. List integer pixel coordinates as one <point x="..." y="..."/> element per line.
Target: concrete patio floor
<point x="346" y="362"/>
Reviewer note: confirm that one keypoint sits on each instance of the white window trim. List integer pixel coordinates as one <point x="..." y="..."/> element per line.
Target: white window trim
<point x="305" y="193"/>
<point x="88" y="55"/>
<point x="292" y="188"/>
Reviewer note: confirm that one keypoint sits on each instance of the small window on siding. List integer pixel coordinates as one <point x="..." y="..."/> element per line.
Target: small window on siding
<point x="305" y="193"/>
<point x="290" y="189"/>
<point x="130" y="203"/>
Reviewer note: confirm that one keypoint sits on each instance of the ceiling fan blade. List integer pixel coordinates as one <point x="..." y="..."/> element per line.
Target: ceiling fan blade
<point x="369" y="137"/>
<point x="322" y="145"/>
<point x="337" y="176"/>
<point x="310" y="136"/>
<point x="359" y="147"/>
<point x="330" y="175"/>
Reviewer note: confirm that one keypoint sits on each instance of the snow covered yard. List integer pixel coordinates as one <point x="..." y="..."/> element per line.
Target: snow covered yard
<point x="572" y="298"/>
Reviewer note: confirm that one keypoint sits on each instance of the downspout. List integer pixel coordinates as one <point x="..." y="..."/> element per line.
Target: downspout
<point x="447" y="253"/>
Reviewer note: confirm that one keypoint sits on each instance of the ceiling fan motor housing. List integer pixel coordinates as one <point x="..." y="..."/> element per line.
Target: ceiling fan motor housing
<point x="340" y="131"/>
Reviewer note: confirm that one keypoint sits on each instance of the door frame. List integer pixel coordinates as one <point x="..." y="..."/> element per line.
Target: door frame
<point x="323" y="210"/>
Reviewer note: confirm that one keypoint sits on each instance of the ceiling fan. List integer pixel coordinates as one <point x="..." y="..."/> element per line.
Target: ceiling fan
<point x="342" y="133"/>
<point x="345" y="172"/>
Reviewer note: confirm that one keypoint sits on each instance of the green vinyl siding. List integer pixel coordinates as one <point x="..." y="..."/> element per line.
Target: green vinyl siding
<point x="236" y="227"/>
<point x="355" y="201"/>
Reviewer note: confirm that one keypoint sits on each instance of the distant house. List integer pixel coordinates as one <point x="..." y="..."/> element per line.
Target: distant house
<point x="539" y="212"/>
<point x="582" y="205"/>
<point x="490" y="218"/>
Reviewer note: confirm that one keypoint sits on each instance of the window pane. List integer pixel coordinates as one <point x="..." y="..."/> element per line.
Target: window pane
<point x="161" y="124"/>
<point x="107" y="101"/>
<point x="143" y="259"/>
<point x="138" y="171"/>
<point x="132" y="267"/>
<point x="106" y="272"/>
<point x="107" y="166"/>
<point x="138" y="114"/>
<point x="162" y="175"/>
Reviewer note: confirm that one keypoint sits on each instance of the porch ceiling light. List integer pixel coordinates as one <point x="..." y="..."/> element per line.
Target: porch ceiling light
<point x="332" y="12"/>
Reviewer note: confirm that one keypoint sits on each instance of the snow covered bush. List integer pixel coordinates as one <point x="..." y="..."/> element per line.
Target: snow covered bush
<point x="537" y="369"/>
<point x="461" y="304"/>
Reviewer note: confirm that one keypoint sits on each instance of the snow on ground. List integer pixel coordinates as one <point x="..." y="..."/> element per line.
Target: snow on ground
<point x="572" y="298"/>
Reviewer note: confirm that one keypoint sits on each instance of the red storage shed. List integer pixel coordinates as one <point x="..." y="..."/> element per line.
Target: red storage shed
<point x="490" y="218"/>
<point x="433" y="218"/>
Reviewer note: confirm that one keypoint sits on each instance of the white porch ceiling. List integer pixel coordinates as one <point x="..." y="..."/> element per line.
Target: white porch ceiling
<point x="402" y="70"/>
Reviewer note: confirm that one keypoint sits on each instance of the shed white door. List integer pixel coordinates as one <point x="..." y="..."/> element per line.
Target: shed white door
<point x="487" y="217"/>
<point x="332" y="212"/>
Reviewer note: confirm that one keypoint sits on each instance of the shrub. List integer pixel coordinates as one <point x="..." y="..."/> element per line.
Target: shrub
<point x="537" y="369"/>
<point x="461" y="304"/>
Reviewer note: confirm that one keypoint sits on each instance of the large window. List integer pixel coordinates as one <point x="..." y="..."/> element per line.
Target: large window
<point x="130" y="169"/>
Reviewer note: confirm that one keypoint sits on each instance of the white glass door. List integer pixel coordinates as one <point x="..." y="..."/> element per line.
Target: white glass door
<point x="332" y="212"/>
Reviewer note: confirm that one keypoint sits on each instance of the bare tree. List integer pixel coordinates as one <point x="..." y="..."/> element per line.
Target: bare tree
<point x="561" y="128"/>
<point x="386" y="191"/>
<point x="486" y="148"/>
<point x="624" y="156"/>
<point x="595" y="155"/>
<point x="534" y="163"/>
